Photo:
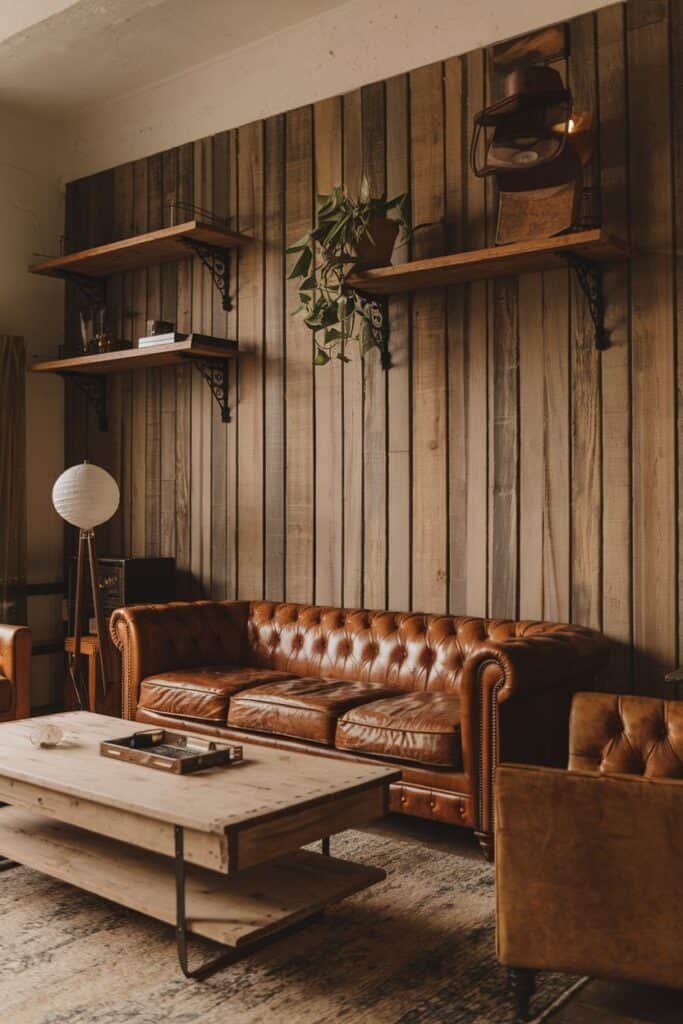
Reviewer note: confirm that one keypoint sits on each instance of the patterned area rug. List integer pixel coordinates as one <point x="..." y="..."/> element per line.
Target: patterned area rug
<point x="415" y="949"/>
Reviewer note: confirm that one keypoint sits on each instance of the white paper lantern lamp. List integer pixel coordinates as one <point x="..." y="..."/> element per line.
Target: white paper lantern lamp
<point x="86" y="496"/>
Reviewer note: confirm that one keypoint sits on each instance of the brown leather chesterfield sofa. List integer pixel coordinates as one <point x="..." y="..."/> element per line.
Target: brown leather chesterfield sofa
<point x="443" y="696"/>
<point x="15" y="672"/>
<point x="588" y="861"/>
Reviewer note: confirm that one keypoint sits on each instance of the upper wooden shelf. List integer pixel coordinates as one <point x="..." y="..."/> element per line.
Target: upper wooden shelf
<point x="167" y="245"/>
<point x="594" y="246"/>
<point x="195" y="346"/>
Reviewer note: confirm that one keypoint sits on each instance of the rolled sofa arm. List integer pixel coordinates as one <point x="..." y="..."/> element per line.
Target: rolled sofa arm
<point x="541" y="656"/>
<point x="516" y="693"/>
<point x="606" y="854"/>
<point x="155" y="638"/>
<point x="15" y="665"/>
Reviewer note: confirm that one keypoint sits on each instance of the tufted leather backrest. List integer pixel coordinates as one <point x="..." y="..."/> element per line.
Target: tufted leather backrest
<point x="185" y="634"/>
<point x="612" y="734"/>
<point x="407" y="650"/>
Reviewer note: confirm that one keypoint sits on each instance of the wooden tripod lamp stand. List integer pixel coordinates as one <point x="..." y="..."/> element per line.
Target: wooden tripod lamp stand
<point x="86" y="496"/>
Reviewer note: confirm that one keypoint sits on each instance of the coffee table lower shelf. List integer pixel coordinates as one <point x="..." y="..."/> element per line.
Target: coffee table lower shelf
<point x="239" y="911"/>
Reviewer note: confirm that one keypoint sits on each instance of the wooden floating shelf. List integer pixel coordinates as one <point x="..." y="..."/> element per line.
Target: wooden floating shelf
<point x="195" y="346"/>
<point x="594" y="247"/>
<point x="209" y="355"/>
<point x="168" y="245"/>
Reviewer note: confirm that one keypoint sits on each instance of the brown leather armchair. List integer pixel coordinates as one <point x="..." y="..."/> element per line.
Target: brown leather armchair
<point x="445" y="697"/>
<point x="589" y="861"/>
<point x="15" y="672"/>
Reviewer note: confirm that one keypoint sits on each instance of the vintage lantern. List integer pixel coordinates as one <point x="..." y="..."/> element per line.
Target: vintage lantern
<point x="536" y="147"/>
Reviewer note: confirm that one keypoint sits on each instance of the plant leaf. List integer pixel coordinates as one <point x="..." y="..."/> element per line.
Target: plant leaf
<point x="302" y="265"/>
<point x="298" y="246"/>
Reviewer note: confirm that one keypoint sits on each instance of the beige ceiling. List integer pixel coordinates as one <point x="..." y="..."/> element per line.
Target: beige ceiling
<point x="57" y="56"/>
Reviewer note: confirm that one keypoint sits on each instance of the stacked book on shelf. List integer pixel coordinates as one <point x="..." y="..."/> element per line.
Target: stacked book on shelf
<point x="160" y="339"/>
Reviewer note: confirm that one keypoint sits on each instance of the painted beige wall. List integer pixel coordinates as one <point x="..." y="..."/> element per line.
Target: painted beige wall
<point x="31" y="216"/>
<point x="333" y="53"/>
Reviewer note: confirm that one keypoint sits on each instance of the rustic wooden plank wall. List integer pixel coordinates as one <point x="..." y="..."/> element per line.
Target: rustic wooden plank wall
<point x="501" y="466"/>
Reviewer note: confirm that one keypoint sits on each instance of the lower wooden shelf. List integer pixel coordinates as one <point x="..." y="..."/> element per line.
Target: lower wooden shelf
<point x="234" y="910"/>
<point x="195" y="346"/>
<point x="210" y="356"/>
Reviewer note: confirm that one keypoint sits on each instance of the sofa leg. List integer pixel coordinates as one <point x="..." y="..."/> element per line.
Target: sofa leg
<point x="522" y="981"/>
<point x="485" y="840"/>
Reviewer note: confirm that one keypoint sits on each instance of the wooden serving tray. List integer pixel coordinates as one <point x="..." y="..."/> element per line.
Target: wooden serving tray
<point x="169" y="751"/>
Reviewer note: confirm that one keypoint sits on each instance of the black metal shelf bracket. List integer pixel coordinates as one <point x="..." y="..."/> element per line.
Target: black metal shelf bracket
<point x="589" y="276"/>
<point x="94" y="387"/>
<point x="215" y="373"/>
<point x="93" y="289"/>
<point x="217" y="262"/>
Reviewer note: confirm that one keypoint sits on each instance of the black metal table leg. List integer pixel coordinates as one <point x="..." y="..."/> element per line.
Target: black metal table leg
<point x="223" y="959"/>
<point x="326" y="846"/>
<point x="230" y="956"/>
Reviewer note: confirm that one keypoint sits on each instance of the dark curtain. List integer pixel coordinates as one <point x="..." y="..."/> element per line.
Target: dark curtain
<point x="12" y="480"/>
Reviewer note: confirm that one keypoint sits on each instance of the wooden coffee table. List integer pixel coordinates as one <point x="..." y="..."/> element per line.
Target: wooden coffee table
<point x="216" y="853"/>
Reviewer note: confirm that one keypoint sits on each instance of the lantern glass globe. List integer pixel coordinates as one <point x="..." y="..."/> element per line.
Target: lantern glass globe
<point x="85" y="496"/>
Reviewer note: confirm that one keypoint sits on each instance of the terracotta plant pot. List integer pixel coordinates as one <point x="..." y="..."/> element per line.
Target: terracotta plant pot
<point x="377" y="252"/>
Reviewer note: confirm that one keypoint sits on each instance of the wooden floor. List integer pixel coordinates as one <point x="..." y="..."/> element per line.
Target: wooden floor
<point x="598" y="1002"/>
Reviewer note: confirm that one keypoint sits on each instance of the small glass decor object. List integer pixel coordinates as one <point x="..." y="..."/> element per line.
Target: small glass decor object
<point x="46" y="736"/>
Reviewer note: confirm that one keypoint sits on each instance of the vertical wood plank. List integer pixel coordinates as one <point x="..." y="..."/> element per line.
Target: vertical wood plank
<point x="329" y="438"/>
<point x="429" y="370"/>
<point x="274" y="422"/>
<point x="477" y="416"/>
<point x="504" y="429"/>
<point x="300" y="569"/>
<point x="202" y="319"/>
<point x="456" y="206"/>
<point x="653" y="353"/>
<point x="183" y="437"/>
<point x="138" y="519"/>
<point x="616" y="360"/>
<point x="153" y="397"/>
<point x="352" y="566"/>
<point x="586" y="447"/>
<point x="398" y="383"/>
<point x="556" y="546"/>
<point x="220" y="433"/>
<point x="231" y="436"/>
<point x="677" y="135"/>
<point x="531" y="463"/>
<point x="118" y="386"/>
<point x="167" y="425"/>
<point x="100" y="228"/>
<point x="250" y="496"/>
<point x="375" y="381"/>
<point x="556" y="444"/>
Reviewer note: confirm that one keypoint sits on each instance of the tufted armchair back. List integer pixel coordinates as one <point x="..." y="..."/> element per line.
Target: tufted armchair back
<point x="613" y="734"/>
<point x="403" y="649"/>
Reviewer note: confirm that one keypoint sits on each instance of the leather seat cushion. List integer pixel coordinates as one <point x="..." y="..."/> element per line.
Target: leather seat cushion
<point x="420" y="727"/>
<point x="201" y="693"/>
<point x="5" y="695"/>
<point x="305" y="709"/>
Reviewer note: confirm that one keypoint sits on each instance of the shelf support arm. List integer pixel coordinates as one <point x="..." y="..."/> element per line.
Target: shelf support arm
<point x="215" y="373"/>
<point x="217" y="262"/>
<point x="589" y="276"/>
<point x="94" y="387"/>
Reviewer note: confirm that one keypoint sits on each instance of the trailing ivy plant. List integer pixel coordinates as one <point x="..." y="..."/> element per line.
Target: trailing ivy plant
<point x="335" y="312"/>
